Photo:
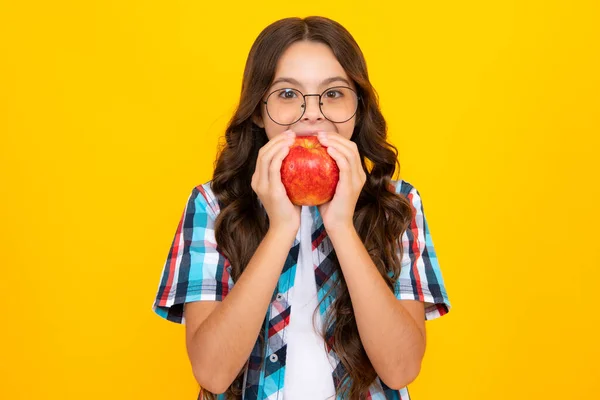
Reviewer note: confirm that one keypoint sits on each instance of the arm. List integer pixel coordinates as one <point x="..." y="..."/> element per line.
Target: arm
<point x="392" y="331"/>
<point x="219" y="346"/>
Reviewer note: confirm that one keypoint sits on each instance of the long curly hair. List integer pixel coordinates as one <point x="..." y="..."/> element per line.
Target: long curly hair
<point x="381" y="216"/>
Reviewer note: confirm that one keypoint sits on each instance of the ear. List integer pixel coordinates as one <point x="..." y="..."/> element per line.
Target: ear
<point x="258" y="120"/>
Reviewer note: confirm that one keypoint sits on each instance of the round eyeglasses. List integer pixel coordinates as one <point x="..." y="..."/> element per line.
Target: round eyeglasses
<point x="286" y="106"/>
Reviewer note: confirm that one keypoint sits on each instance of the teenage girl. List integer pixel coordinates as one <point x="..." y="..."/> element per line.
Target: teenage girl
<point x="292" y="302"/>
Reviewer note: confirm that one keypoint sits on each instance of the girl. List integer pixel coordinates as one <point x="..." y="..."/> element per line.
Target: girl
<point x="304" y="302"/>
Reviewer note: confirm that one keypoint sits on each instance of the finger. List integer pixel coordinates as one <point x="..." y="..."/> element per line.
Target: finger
<point x="342" y="148"/>
<point x="349" y="149"/>
<point x="275" y="167"/>
<point x="266" y="154"/>
<point x="343" y="165"/>
<point x="273" y="142"/>
<point x="329" y="140"/>
<point x="267" y="157"/>
<point x="352" y="154"/>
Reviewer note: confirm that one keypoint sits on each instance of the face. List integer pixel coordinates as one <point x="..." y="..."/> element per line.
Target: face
<point x="310" y="65"/>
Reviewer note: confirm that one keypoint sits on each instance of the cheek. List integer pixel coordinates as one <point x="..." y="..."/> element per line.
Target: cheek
<point x="273" y="129"/>
<point x="346" y="129"/>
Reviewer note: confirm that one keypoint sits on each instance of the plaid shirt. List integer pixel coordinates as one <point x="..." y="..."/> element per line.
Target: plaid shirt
<point x="195" y="270"/>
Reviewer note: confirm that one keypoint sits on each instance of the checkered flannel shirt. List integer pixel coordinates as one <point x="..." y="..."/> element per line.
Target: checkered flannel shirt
<point x="195" y="270"/>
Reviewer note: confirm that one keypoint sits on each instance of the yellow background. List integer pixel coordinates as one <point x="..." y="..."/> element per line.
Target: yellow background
<point x="111" y="112"/>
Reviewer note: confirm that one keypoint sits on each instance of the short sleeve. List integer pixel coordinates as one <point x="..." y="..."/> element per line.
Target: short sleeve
<point x="194" y="270"/>
<point x="420" y="276"/>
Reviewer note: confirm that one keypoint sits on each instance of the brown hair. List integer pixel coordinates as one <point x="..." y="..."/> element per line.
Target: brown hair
<point x="381" y="216"/>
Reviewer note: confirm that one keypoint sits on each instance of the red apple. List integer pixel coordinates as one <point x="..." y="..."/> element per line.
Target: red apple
<point x="309" y="174"/>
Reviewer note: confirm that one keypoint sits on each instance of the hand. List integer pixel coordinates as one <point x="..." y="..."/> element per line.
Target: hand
<point x="339" y="211"/>
<point x="266" y="183"/>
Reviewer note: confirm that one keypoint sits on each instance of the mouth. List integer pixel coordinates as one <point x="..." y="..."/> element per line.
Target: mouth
<point x="306" y="133"/>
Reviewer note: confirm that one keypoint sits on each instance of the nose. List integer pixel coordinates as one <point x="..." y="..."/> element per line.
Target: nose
<point x="313" y="111"/>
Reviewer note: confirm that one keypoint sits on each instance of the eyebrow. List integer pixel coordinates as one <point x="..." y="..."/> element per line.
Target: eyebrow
<point x="325" y="82"/>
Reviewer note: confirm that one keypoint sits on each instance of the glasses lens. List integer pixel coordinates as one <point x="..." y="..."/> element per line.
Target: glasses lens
<point x="285" y="106"/>
<point x="339" y="104"/>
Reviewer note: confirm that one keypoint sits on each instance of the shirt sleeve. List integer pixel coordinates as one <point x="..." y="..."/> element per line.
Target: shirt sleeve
<point x="420" y="275"/>
<point x="195" y="269"/>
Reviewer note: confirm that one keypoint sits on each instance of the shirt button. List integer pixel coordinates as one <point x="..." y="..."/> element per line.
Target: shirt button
<point x="279" y="297"/>
<point x="273" y="357"/>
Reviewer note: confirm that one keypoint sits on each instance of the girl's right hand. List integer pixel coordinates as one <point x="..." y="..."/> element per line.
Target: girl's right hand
<point x="266" y="183"/>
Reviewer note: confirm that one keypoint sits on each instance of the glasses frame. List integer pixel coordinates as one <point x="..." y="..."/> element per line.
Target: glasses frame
<point x="303" y="106"/>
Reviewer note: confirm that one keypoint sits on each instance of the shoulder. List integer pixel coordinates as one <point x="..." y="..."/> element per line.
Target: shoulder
<point x="404" y="187"/>
<point x="204" y="200"/>
<point x="410" y="192"/>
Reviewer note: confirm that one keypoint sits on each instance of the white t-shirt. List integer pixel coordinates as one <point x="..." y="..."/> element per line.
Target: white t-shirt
<point x="307" y="370"/>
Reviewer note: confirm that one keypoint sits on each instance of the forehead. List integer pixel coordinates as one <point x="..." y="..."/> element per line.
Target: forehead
<point x="309" y="63"/>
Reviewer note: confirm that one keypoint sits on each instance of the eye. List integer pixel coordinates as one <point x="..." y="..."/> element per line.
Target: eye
<point x="332" y="94"/>
<point x="287" y="93"/>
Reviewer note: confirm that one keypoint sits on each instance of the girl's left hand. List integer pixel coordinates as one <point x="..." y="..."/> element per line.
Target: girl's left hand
<point x="339" y="211"/>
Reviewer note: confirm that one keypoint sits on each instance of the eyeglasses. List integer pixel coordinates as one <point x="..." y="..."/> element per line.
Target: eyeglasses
<point x="286" y="106"/>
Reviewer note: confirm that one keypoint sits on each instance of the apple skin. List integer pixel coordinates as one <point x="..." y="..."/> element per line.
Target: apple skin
<point x="308" y="173"/>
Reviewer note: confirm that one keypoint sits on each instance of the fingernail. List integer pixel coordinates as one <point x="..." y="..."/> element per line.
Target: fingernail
<point x="290" y="133"/>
